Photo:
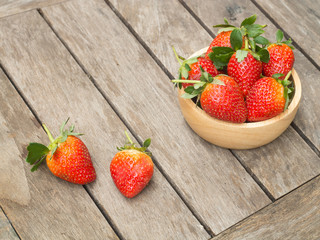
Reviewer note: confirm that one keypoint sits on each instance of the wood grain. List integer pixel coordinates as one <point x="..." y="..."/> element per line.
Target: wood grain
<point x="280" y="166"/>
<point x="295" y="216"/>
<point x="56" y="87"/>
<point x="210" y="179"/>
<point x="10" y="7"/>
<point x="300" y="19"/>
<point x="6" y="230"/>
<point x="58" y="209"/>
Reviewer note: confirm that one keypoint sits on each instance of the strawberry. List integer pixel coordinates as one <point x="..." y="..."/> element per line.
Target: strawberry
<point x="221" y="40"/>
<point x="67" y="156"/>
<point x="190" y="68"/>
<point x="281" y="57"/>
<point x="245" y="71"/>
<point x="219" y="96"/>
<point x="132" y="168"/>
<point x="224" y="101"/>
<point x="267" y="98"/>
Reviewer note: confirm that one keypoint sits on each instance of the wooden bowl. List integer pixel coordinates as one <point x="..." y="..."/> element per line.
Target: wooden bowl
<point x="239" y="135"/>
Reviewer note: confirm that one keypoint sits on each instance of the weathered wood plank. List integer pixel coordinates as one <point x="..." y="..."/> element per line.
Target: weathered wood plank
<point x="210" y="179"/>
<point x="280" y="166"/>
<point x="10" y="7"/>
<point x="57" y="87"/>
<point x="39" y="204"/>
<point x="295" y="216"/>
<point x="300" y="19"/>
<point x="6" y="230"/>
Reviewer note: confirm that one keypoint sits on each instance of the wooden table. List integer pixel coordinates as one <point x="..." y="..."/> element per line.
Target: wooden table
<point x="107" y="65"/>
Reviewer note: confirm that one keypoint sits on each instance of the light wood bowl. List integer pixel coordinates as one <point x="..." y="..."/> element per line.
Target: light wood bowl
<point x="239" y="135"/>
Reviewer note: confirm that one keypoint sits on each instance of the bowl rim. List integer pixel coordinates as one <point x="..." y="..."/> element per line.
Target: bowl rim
<point x="292" y="106"/>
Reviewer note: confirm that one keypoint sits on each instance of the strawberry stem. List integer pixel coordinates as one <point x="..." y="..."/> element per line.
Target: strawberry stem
<point x="288" y="75"/>
<point x="129" y="139"/>
<point x="246" y="43"/>
<point x="48" y="133"/>
<point x="184" y="81"/>
<point x="177" y="57"/>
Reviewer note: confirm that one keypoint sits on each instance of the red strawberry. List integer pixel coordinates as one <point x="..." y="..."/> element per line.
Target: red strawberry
<point x="132" y="168"/>
<point x="267" y="98"/>
<point x="67" y="157"/>
<point x="195" y="73"/>
<point x="221" y="40"/>
<point x="224" y="101"/>
<point x="244" y="71"/>
<point x="281" y="60"/>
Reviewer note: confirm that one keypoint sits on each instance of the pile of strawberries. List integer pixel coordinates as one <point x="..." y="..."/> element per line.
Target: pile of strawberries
<point x="242" y="76"/>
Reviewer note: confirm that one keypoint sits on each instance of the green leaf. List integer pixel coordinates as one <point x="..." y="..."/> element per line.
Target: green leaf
<point x="147" y="143"/>
<point x="218" y="82"/>
<point x="226" y="29"/>
<point x="277" y="75"/>
<point x="226" y="21"/>
<point x="279" y="35"/>
<point x="198" y="85"/>
<point x="187" y="67"/>
<point x="221" y="56"/>
<point x="255" y="30"/>
<point x="223" y="25"/>
<point x="261" y="40"/>
<point x="37" y="164"/>
<point x="264" y="55"/>
<point x="63" y="125"/>
<point x="249" y="20"/>
<point x="236" y="39"/>
<point x="35" y="152"/>
<point x="252" y="44"/>
<point x="184" y="73"/>
<point x="286" y="97"/>
<point x="189" y="89"/>
<point x="187" y="95"/>
<point x="241" y="55"/>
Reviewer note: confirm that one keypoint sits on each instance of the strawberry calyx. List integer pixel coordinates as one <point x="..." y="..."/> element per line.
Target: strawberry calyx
<point x="279" y="38"/>
<point x="199" y="86"/>
<point x="37" y="152"/>
<point x="131" y="145"/>
<point x="184" y="66"/>
<point x="286" y="85"/>
<point x="250" y="33"/>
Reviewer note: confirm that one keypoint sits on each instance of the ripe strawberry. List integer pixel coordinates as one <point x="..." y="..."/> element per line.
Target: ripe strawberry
<point x="220" y="97"/>
<point x="195" y="73"/>
<point x="244" y="71"/>
<point x="67" y="157"/>
<point x="281" y="57"/>
<point x="281" y="60"/>
<point x="190" y="68"/>
<point x="221" y="40"/>
<point x="267" y="98"/>
<point x="224" y="101"/>
<point x="132" y="168"/>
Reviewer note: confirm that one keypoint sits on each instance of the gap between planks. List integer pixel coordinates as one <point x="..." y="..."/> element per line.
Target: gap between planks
<point x="283" y="196"/>
<point x="295" y="127"/>
<point x="1" y="209"/>
<point x="24" y="99"/>
<point x="162" y="171"/>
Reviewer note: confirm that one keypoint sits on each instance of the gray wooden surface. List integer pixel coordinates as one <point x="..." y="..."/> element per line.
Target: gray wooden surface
<point x="153" y="109"/>
<point x="6" y="230"/>
<point x="107" y="65"/>
<point x="10" y="7"/>
<point x="295" y="216"/>
<point x="58" y="88"/>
